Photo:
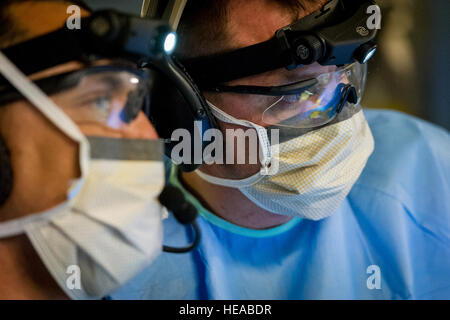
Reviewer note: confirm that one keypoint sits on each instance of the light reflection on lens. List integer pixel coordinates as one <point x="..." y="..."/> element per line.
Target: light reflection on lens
<point x="134" y="80"/>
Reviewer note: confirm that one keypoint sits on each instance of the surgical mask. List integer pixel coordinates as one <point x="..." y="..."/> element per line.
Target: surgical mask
<point x="111" y="226"/>
<point x="307" y="176"/>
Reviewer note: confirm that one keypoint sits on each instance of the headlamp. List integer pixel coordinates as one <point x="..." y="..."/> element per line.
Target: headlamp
<point x="337" y="34"/>
<point x="104" y="34"/>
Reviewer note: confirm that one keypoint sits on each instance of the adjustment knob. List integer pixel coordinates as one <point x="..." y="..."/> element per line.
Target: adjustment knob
<point x="106" y="25"/>
<point x="309" y="49"/>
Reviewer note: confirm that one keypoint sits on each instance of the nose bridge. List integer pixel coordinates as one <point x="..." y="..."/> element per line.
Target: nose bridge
<point x="139" y="128"/>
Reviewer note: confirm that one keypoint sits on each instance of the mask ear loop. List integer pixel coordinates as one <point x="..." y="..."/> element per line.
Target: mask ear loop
<point x="17" y="227"/>
<point x="266" y="152"/>
<point x="47" y="107"/>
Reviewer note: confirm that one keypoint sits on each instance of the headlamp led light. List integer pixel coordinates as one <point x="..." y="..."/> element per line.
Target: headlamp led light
<point x="170" y="43"/>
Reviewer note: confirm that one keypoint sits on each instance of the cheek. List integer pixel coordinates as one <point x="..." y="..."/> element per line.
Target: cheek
<point x="140" y="128"/>
<point x="43" y="159"/>
<point x="242" y="107"/>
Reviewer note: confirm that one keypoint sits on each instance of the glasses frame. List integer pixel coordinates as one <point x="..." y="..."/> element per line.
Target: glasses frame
<point x="294" y="88"/>
<point x="59" y="83"/>
<point x="284" y="90"/>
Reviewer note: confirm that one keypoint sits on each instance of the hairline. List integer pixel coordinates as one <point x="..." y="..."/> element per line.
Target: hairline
<point x="225" y="43"/>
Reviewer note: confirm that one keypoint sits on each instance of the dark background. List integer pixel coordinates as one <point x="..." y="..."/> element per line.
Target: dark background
<point x="411" y="70"/>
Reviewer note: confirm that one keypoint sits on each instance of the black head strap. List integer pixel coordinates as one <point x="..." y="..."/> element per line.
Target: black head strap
<point x="220" y="68"/>
<point x="46" y="51"/>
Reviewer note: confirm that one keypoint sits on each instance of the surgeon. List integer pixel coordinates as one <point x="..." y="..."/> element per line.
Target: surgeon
<point x="358" y="208"/>
<point x="80" y="164"/>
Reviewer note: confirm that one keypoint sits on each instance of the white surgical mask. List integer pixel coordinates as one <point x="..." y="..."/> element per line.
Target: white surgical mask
<point x="313" y="173"/>
<point x="111" y="226"/>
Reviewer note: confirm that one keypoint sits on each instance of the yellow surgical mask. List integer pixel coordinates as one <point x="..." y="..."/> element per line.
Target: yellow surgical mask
<point x="310" y="175"/>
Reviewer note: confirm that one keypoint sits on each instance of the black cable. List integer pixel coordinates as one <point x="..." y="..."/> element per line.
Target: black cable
<point x="185" y="213"/>
<point x="189" y="248"/>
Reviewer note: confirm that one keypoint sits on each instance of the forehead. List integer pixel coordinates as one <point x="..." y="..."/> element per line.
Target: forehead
<point x="254" y="21"/>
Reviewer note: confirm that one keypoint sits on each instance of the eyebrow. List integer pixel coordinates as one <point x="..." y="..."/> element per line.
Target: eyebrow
<point x="286" y="77"/>
<point x="111" y="82"/>
<point x="299" y="75"/>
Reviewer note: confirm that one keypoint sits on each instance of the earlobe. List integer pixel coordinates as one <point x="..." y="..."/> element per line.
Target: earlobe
<point x="6" y="174"/>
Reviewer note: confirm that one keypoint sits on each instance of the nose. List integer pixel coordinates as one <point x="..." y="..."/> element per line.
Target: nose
<point x="140" y="128"/>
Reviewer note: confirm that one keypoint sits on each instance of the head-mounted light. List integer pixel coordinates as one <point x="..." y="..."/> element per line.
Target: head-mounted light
<point x="337" y="34"/>
<point x="104" y="34"/>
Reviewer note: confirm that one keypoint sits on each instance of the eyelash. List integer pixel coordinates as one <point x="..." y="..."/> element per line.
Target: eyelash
<point x="102" y="98"/>
<point x="94" y="98"/>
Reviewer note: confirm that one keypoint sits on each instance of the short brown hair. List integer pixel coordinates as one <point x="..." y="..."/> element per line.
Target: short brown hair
<point x="10" y="32"/>
<point x="202" y="29"/>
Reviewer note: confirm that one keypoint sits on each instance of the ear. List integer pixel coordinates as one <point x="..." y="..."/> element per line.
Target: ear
<point x="6" y="174"/>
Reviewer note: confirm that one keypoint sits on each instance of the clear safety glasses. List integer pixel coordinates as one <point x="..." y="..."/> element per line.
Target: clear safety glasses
<point x="308" y="103"/>
<point x="109" y="95"/>
<point x="320" y="103"/>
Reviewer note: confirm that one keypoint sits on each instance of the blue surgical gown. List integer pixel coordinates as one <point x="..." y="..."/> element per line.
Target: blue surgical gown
<point x="390" y="239"/>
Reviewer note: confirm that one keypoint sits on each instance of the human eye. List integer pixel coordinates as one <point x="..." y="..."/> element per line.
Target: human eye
<point x="297" y="98"/>
<point x="101" y="102"/>
<point x="95" y="106"/>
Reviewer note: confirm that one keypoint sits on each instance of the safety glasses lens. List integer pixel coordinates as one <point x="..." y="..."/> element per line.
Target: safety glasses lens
<point x="111" y="98"/>
<point x="319" y="104"/>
